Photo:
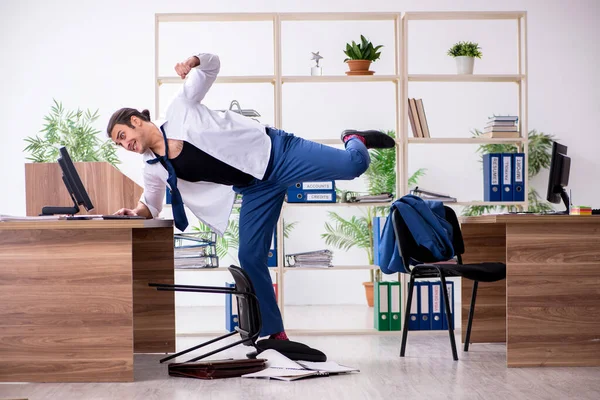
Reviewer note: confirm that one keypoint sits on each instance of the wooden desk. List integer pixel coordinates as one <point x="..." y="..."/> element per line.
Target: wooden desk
<point x="548" y="309"/>
<point x="74" y="298"/>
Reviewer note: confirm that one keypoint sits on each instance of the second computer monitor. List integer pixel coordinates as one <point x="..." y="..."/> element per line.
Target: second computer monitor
<point x="558" y="180"/>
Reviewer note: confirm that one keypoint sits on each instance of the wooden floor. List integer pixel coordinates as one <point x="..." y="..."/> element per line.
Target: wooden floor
<point x="428" y="372"/>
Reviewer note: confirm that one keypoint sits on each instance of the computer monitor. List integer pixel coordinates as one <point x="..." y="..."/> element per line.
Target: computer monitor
<point x="560" y="166"/>
<point x="74" y="186"/>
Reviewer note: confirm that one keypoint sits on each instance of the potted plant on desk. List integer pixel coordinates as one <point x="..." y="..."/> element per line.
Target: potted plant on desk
<point x="75" y="131"/>
<point x="95" y="160"/>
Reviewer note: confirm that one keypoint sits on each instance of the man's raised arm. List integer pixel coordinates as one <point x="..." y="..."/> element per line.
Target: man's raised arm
<point x="203" y="70"/>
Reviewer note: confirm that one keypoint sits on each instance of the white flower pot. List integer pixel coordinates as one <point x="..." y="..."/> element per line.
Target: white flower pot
<point x="464" y="65"/>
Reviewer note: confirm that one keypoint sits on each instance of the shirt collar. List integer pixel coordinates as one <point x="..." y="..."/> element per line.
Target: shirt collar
<point x="149" y="155"/>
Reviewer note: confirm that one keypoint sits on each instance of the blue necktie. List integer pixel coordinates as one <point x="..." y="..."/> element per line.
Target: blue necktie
<point x="181" y="221"/>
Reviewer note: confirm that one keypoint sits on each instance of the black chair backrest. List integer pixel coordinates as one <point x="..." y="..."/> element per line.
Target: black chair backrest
<point x="409" y="249"/>
<point x="249" y="320"/>
<point x="457" y="239"/>
<point x="407" y="246"/>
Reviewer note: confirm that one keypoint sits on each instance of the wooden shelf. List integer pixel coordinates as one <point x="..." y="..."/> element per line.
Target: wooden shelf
<point x="358" y="204"/>
<point x="222" y="79"/>
<point x="339" y="78"/>
<point x="334" y="268"/>
<point x="465" y="140"/>
<point x="333" y="16"/>
<point x="465" y="78"/>
<point x="462" y="15"/>
<point x="318" y="332"/>
<point x="488" y="203"/>
<point x="339" y="332"/>
<point x="337" y="141"/>
<point x="221" y="269"/>
<point x="327" y="16"/>
<point x="215" y="17"/>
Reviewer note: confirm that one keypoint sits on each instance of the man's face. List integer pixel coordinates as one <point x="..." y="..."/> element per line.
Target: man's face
<point x="132" y="139"/>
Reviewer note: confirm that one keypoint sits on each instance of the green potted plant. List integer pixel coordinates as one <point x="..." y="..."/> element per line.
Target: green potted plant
<point x="360" y="56"/>
<point x="465" y="54"/>
<point x="539" y="155"/>
<point x="74" y="130"/>
<point x="358" y="230"/>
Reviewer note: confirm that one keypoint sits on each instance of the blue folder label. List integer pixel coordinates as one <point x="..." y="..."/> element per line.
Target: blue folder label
<point x="495" y="170"/>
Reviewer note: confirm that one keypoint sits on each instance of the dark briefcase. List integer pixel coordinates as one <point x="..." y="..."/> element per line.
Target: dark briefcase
<point x="217" y="369"/>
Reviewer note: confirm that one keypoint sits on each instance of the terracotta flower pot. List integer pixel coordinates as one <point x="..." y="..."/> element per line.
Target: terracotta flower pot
<point x="369" y="293"/>
<point x="359" y="67"/>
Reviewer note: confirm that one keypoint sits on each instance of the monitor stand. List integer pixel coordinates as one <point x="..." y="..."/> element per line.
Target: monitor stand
<point x="51" y="210"/>
<point x="565" y="198"/>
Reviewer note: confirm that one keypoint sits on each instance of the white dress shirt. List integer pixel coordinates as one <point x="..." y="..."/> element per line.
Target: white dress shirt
<point x="228" y="136"/>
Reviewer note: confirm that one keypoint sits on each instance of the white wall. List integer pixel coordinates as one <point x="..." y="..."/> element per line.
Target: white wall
<point x="101" y="55"/>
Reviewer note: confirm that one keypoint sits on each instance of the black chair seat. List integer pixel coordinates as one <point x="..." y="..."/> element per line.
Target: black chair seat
<point x="482" y="272"/>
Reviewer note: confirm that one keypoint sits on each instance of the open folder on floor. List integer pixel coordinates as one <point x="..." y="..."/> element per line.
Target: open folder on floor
<point x="282" y="368"/>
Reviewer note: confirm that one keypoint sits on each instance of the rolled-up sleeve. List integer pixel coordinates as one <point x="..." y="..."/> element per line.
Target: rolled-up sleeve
<point x="153" y="195"/>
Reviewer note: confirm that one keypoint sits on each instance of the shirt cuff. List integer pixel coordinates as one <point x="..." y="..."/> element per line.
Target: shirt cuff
<point x="208" y="61"/>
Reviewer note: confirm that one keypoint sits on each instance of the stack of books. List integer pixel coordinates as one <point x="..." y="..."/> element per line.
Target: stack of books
<point x="196" y="250"/>
<point x="502" y="127"/>
<point x="417" y="118"/>
<point x="310" y="259"/>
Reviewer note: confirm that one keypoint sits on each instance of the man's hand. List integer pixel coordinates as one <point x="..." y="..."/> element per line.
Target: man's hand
<point x="141" y="210"/>
<point x="184" y="68"/>
<point x="125" y="211"/>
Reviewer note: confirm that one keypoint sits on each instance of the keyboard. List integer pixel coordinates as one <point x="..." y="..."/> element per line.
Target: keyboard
<point x="122" y="217"/>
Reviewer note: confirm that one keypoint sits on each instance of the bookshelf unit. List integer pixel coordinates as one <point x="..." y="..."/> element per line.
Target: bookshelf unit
<point x="399" y="78"/>
<point x="520" y="79"/>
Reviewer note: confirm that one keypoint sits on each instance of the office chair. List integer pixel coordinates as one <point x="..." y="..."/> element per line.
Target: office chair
<point x="425" y="266"/>
<point x="249" y="319"/>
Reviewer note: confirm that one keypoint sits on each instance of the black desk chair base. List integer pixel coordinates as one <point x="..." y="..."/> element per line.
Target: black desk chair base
<point x="249" y="318"/>
<point x="448" y="314"/>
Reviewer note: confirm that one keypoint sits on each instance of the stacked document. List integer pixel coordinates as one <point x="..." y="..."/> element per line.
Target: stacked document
<point x="429" y="195"/>
<point x="282" y="368"/>
<point x="196" y="250"/>
<point x="310" y="259"/>
<point x="371" y="198"/>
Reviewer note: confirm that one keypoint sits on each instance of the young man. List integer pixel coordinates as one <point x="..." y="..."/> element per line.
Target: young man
<point x="206" y="157"/>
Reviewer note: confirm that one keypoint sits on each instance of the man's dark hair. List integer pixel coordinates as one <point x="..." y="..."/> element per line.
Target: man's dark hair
<point x="123" y="117"/>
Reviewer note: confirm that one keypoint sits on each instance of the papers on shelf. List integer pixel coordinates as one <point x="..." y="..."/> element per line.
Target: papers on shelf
<point x="354" y="197"/>
<point x="196" y="250"/>
<point x="310" y="259"/>
<point x="197" y="262"/>
<point x="429" y="195"/>
<point x="282" y="368"/>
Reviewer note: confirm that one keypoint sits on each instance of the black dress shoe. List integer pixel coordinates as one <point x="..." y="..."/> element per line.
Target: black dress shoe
<point x="373" y="139"/>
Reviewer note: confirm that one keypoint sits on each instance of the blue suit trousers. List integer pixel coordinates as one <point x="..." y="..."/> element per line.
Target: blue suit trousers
<point x="293" y="159"/>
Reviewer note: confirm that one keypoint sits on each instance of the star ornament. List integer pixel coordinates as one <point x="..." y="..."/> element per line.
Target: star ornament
<point x="316" y="57"/>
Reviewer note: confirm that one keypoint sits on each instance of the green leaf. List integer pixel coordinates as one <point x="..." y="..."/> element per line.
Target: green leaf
<point x="356" y="51"/>
<point x="73" y="129"/>
<point x="364" y="50"/>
